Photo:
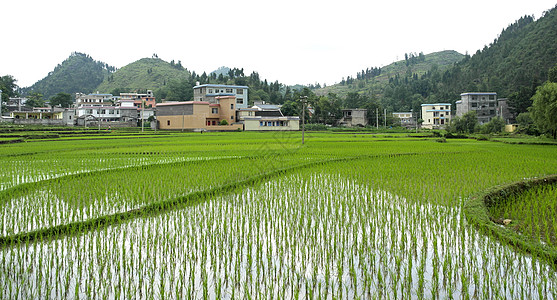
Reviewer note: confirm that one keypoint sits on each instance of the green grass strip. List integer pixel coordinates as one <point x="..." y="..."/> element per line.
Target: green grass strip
<point x="476" y="212"/>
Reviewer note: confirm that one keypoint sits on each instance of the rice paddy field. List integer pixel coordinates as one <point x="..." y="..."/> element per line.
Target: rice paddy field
<point x="250" y="215"/>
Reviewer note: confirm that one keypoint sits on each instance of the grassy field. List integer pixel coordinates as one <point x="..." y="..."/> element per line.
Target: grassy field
<point x="259" y="215"/>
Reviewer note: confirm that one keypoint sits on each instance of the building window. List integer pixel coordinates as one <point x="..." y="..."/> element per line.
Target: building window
<point x="260" y="123"/>
<point x="231" y="105"/>
<point x="240" y="91"/>
<point x="168" y="122"/>
<point x="231" y="117"/>
<point x="491" y="104"/>
<point x="473" y="104"/>
<point x="215" y="110"/>
<point x="229" y="91"/>
<point x="491" y="97"/>
<point x="474" y="98"/>
<point x="210" y="91"/>
<point x="240" y="101"/>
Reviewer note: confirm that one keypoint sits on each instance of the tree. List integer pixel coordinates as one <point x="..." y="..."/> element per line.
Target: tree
<point x="526" y="124"/>
<point x="8" y="86"/>
<point x="327" y="110"/>
<point x="466" y="124"/>
<point x="521" y="100"/>
<point x="544" y="108"/>
<point x="62" y="99"/>
<point x="35" y="99"/>
<point x="354" y="100"/>
<point x="552" y="76"/>
<point x="289" y="108"/>
<point x="179" y="90"/>
<point x="495" y="125"/>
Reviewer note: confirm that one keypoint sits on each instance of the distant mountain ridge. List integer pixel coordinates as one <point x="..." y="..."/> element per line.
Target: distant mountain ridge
<point x="517" y="60"/>
<point x="519" y="57"/>
<point x="441" y="60"/>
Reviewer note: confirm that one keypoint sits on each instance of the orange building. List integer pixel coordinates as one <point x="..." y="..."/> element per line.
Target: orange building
<point x="198" y="115"/>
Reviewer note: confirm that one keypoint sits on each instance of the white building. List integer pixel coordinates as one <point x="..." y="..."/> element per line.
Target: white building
<point x="406" y="119"/>
<point x="105" y="113"/>
<point x="93" y="99"/>
<point x="271" y="123"/>
<point x="208" y="92"/>
<point x="437" y="115"/>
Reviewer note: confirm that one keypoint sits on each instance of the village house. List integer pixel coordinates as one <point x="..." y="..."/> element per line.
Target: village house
<point x="44" y="116"/>
<point x="199" y="115"/>
<point x="140" y="100"/>
<point x="209" y="93"/>
<point x="406" y="119"/>
<point x="266" y="117"/>
<point x="484" y="104"/>
<point x="436" y="116"/>
<point x="353" y="117"/>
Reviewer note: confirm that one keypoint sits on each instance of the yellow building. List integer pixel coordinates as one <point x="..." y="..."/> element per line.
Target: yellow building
<point x="198" y="115"/>
<point x="38" y="114"/>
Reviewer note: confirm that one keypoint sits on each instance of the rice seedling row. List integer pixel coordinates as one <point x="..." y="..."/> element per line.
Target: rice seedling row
<point x="367" y="221"/>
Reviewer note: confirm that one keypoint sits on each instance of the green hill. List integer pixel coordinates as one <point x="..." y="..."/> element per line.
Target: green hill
<point x="144" y="74"/>
<point x="513" y="65"/>
<point x="78" y="73"/>
<point x="520" y="57"/>
<point x="376" y="83"/>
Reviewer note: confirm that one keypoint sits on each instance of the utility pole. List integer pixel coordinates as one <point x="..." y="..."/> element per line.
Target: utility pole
<point x="385" y="116"/>
<point x="142" y="112"/>
<point x="183" y="117"/>
<point x="304" y="100"/>
<point x="377" y="118"/>
<point x="1" y="103"/>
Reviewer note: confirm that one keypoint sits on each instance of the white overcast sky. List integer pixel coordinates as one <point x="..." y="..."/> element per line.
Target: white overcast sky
<point x="292" y="41"/>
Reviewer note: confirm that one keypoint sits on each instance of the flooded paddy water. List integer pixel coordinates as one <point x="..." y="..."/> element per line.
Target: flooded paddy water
<point x="317" y="235"/>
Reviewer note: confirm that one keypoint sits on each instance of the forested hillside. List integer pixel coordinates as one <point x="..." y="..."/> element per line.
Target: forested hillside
<point x="512" y="65"/>
<point x="78" y="73"/>
<point x="382" y="83"/>
<point x="144" y="74"/>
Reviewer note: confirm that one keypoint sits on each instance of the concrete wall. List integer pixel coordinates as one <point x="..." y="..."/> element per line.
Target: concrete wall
<point x="48" y="122"/>
<point x="484" y="104"/>
<point x="173" y="110"/>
